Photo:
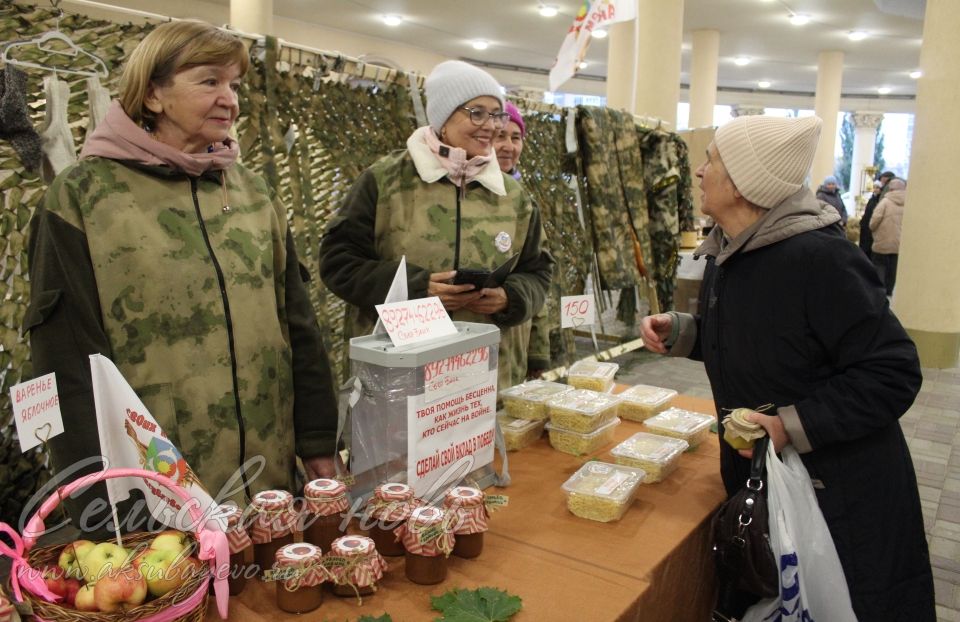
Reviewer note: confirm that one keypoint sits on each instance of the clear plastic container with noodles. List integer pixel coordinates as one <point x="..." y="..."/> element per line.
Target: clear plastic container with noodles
<point x="528" y="400"/>
<point x="582" y="410"/>
<point x="592" y="375"/>
<point x="577" y="443"/>
<point x="690" y="426"/>
<point x="657" y="455"/>
<point x="602" y="492"/>
<point x="519" y="433"/>
<point x="642" y="401"/>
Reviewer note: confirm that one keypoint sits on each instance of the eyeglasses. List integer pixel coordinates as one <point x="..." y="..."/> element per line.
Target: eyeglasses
<point x="478" y="116"/>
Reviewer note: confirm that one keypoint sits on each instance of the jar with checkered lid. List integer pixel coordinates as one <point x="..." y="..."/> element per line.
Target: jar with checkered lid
<point x="324" y="502"/>
<point x="299" y="577"/>
<point x="390" y="505"/>
<point x="428" y="541"/>
<point x="239" y="541"/>
<point x="468" y="520"/>
<point x="274" y="519"/>
<point x="355" y="566"/>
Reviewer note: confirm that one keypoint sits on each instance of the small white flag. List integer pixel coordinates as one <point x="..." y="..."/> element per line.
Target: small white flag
<point x="396" y="293"/>
<point x="590" y="16"/>
<point x="130" y="438"/>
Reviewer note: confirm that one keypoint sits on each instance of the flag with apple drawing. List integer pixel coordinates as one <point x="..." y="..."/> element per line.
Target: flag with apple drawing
<point x="131" y="438"/>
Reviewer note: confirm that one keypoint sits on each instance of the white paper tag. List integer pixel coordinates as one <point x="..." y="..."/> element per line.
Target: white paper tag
<point x="576" y="311"/>
<point x="613" y="482"/>
<point x="414" y="321"/>
<point x="36" y="409"/>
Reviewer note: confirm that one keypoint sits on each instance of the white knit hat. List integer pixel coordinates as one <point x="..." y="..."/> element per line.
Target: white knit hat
<point x="453" y="83"/>
<point x="768" y="158"/>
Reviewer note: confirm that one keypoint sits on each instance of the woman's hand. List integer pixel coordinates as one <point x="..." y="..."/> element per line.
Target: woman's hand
<point x="453" y="297"/>
<point x="773" y="424"/>
<point x="655" y="329"/>
<point x="492" y="300"/>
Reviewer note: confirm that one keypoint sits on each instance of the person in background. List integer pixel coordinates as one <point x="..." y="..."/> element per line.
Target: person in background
<point x="444" y="203"/>
<point x="866" y="235"/>
<point x="163" y="253"/>
<point x="792" y="314"/>
<point x="508" y="146"/>
<point x="829" y="193"/>
<point x="885" y="225"/>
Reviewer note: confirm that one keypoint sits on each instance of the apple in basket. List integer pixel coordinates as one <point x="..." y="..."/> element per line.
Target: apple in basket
<point x="165" y="570"/>
<point x="72" y="555"/>
<point x="58" y="583"/>
<point x="103" y="558"/>
<point x="85" y="600"/>
<point x="120" y="590"/>
<point x="171" y="540"/>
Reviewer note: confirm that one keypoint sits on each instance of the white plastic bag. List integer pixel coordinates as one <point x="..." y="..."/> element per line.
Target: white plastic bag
<point x="812" y="585"/>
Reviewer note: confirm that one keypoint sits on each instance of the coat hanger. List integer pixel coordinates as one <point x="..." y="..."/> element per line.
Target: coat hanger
<point x="43" y="44"/>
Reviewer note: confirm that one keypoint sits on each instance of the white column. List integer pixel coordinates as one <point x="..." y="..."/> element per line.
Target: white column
<point x="827" y="107"/>
<point x="746" y="110"/>
<point x="659" y="41"/>
<point x="927" y="294"/>
<point x="703" y="77"/>
<point x="864" y="144"/>
<point x="621" y="65"/>
<point x="252" y="16"/>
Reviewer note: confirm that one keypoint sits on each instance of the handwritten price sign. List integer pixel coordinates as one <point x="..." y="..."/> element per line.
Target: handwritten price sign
<point x="576" y="311"/>
<point x="413" y="321"/>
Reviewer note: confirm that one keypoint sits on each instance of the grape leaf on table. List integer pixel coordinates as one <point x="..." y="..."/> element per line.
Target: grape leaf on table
<point x="384" y="618"/>
<point x="485" y="604"/>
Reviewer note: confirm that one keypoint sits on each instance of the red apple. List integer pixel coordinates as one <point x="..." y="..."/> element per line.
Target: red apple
<point x="120" y="590"/>
<point x="166" y="570"/>
<point x="72" y="555"/>
<point x="55" y="580"/>
<point x="85" y="599"/>
<point x="73" y="586"/>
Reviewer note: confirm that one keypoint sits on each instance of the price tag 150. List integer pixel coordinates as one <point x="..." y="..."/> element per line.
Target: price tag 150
<point x="576" y="311"/>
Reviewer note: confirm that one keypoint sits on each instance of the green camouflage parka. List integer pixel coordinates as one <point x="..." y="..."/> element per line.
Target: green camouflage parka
<point x="192" y="286"/>
<point x="404" y="204"/>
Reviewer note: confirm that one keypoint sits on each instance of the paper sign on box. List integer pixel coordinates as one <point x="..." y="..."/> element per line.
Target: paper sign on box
<point x="415" y="321"/>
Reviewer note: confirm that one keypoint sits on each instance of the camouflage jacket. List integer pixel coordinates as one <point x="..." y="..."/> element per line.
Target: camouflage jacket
<point x="202" y="308"/>
<point x="391" y="211"/>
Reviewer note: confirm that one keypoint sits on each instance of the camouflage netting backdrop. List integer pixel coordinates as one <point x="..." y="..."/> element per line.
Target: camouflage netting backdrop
<point x="309" y="131"/>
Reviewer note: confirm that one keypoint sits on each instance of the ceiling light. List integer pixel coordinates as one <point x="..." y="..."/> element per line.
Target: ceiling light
<point x="599" y="33"/>
<point x="856" y="35"/>
<point x="392" y="20"/>
<point x="740" y="61"/>
<point x="884" y="90"/>
<point x="916" y="75"/>
<point x="548" y="10"/>
<point x="480" y="44"/>
<point x="799" y="19"/>
<point x="763" y="84"/>
<point x="583" y="64"/>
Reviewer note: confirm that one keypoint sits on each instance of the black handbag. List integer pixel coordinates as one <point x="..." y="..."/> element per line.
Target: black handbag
<point x="741" y="538"/>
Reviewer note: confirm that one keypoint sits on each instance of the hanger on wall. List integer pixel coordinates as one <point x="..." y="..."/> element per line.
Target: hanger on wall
<point x="43" y="43"/>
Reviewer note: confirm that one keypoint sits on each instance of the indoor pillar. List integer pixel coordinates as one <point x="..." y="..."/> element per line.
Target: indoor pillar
<point x="827" y="107"/>
<point x="621" y="65"/>
<point x="864" y="144"/>
<point x="927" y="294"/>
<point x="703" y="77"/>
<point x="252" y="16"/>
<point x="659" y="41"/>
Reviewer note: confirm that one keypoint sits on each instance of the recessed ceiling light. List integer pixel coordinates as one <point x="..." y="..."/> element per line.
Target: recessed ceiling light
<point x="856" y="35"/>
<point x="583" y="64"/>
<point x="740" y="61"/>
<point x="480" y="44"/>
<point x="548" y="10"/>
<point x="916" y="75"/>
<point x="392" y="20"/>
<point x="799" y="19"/>
<point x="599" y="33"/>
<point x="884" y="90"/>
<point x="763" y="84"/>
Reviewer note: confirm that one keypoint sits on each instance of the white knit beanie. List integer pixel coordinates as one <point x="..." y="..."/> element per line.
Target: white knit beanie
<point x="768" y="158"/>
<point x="453" y="83"/>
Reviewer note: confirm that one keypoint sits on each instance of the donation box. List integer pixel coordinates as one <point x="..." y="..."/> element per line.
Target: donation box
<point x="426" y="412"/>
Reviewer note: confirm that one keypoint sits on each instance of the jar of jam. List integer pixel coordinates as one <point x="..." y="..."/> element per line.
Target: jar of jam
<point x="300" y="575"/>
<point x="390" y="505"/>
<point x="428" y="542"/>
<point x="355" y="566"/>
<point x="325" y="500"/>
<point x="272" y="528"/>
<point x="469" y="519"/>
<point x="239" y="542"/>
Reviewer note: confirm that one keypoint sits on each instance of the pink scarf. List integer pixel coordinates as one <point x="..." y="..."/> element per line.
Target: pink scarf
<point x="117" y="137"/>
<point x="460" y="170"/>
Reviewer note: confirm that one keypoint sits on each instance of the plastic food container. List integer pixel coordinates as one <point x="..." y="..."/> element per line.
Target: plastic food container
<point x="582" y="410"/>
<point x="578" y="443"/>
<point x="602" y="492"/>
<point x="642" y="401"/>
<point x="528" y="400"/>
<point x="686" y="424"/>
<point x="592" y="375"/>
<point x="519" y="433"/>
<point x="656" y="455"/>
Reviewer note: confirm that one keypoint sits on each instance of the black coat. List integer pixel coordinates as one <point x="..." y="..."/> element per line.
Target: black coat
<point x="833" y="198"/>
<point x="866" y="235"/>
<point x="805" y="322"/>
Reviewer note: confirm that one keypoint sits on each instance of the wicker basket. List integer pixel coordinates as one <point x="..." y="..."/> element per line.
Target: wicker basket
<point x="187" y="603"/>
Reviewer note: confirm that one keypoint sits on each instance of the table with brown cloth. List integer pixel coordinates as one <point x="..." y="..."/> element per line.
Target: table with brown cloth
<point x="652" y="565"/>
